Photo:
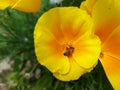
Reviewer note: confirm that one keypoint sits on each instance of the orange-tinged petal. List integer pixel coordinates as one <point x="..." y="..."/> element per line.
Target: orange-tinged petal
<point x="64" y="23"/>
<point x="53" y="60"/>
<point x="27" y="5"/>
<point x="75" y="72"/>
<point x="7" y="3"/>
<point x="111" y="57"/>
<point x="112" y="44"/>
<point x="106" y="16"/>
<point x="105" y="29"/>
<point x="73" y="29"/>
<point x="111" y="66"/>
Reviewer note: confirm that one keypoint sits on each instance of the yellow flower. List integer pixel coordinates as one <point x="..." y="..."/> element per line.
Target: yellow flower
<point x="22" y="5"/>
<point x="106" y="17"/>
<point x="65" y="42"/>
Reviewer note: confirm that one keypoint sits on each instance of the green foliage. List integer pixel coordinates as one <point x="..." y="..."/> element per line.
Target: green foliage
<point x="16" y="41"/>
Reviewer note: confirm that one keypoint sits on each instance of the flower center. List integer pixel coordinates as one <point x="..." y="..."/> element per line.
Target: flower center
<point x="69" y="51"/>
<point x="101" y="55"/>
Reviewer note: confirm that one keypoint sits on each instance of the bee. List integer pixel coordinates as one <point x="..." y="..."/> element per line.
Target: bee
<point x="69" y="51"/>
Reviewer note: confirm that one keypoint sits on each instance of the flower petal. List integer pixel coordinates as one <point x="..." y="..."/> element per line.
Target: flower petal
<point x="111" y="58"/>
<point x="67" y="22"/>
<point x="111" y="66"/>
<point x="48" y="53"/>
<point x="75" y="25"/>
<point x="88" y="5"/>
<point x="27" y="5"/>
<point x="112" y="44"/>
<point x="7" y="3"/>
<point x="106" y="16"/>
<point x="75" y="72"/>
<point x="63" y="26"/>
<point x="87" y="52"/>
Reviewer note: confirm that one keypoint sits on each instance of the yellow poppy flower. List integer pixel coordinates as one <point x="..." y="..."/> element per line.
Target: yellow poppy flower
<point x="22" y="5"/>
<point x="65" y="42"/>
<point x="106" y="17"/>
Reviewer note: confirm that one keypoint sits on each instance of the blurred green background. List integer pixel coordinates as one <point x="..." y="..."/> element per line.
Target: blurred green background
<point x="23" y="72"/>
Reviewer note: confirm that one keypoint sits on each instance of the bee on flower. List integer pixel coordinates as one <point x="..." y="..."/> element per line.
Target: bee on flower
<point x="65" y="42"/>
